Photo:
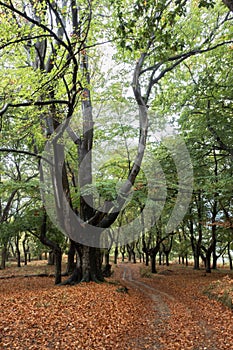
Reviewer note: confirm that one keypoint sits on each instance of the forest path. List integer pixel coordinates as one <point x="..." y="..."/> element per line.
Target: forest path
<point x="160" y="305"/>
<point x="182" y="320"/>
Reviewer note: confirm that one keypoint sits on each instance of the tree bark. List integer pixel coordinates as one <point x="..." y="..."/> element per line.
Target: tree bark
<point x="229" y="255"/>
<point x="3" y="256"/>
<point x="58" y="265"/>
<point x="18" y="251"/>
<point x="91" y="263"/>
<point x="208" y="262"/>
<point x="70" y="262"/>
<point x="115" y="255"/>
<point x="153" y="262"/>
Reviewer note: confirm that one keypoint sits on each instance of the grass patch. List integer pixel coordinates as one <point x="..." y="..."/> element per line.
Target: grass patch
<point x="221" y="290"/>
<point x="145" y="272"/>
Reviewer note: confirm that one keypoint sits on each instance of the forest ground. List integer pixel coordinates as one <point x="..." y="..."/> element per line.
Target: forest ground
<point x="168" y="310"/>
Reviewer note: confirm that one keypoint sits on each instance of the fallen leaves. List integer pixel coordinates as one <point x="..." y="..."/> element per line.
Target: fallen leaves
<point x="35" y="314"/>
<point x="222" y="290"/>
<point x="38" y="315"/>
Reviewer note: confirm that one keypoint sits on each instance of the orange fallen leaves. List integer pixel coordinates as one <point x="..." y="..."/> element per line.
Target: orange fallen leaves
<point x="35" y="314"/>
<point x="38" y="315"/>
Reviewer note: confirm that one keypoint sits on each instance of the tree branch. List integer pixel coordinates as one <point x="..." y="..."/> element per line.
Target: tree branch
<point x="31" y="103"/>
<point x="179" y="59"/>
<point x="24" y="39"/>
<point x="33" y="21"/>
<point x="11" y="150"/>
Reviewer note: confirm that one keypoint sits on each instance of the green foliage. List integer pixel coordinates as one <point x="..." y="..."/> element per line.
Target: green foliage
<point x="42" y="60"/>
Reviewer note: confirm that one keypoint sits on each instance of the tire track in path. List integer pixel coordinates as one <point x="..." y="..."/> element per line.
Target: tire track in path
<point x="157" y="296"/>
<point x="174" y="317"/>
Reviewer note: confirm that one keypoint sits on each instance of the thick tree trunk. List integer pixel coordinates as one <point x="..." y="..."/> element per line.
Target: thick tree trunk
<point x="58" y="265"/>
<point x="196" y="257"/>
<point x="106" y="257"/>
<point x="91" y="263"/>
<point x="153" y="262"/>
<point x="106" y="271"/>
<point x="4" y="257"/>
<point x="70" y="262"/>
<point x="208" y="262"/>
<point x="215" y="260"/>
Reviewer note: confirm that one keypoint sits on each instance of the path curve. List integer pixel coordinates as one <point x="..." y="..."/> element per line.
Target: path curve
<point x="166" y="306"/>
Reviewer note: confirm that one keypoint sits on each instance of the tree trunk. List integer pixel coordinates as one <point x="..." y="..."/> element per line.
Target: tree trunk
<point x="167" y="258"/>
<point x="208" y="262"/>
<point x="134" y="256"/>
<point x="25" y="250"/>
<point x="106" y="257"/>
<point x="115" y="255"/>
<point x="214" y="255"/>
<point x="153" y="254"/>
<point x="122" y="250"/>
<point x="18" y="253"/>
<point x="214" y="215"/>
<point x="91" y="262"/>
<point x="55" y="252"/>
<point x="153" y="263"/>
<point x="70" y="262"/>
<point x="196" y="253"/>
<point x="58" y="264"/>
<point x="4" y="256"/>
<point x="129" y="256"/>
<point x="229" y="255"/>
<point x="51" y="259"/>
<point x="147" y="258"/>
<point x="160" y="257"/>
<point x="196" y="256"/>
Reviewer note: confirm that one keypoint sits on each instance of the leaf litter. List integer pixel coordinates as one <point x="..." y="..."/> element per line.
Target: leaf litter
<point x="35" y="314"/>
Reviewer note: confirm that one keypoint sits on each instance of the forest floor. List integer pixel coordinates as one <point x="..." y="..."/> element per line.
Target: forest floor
<point x="177" y="308"/>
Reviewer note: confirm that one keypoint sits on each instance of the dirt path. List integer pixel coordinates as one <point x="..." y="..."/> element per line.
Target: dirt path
<point x="160" y="306"/>
<point x="186" y="319"/>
